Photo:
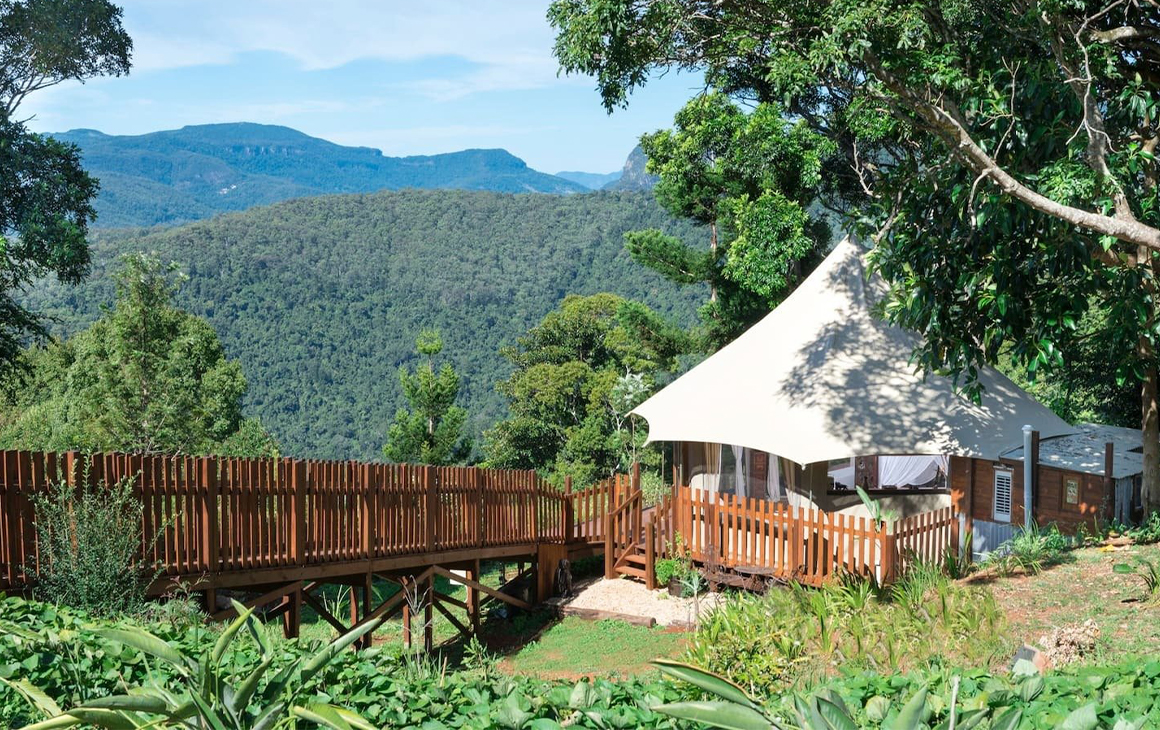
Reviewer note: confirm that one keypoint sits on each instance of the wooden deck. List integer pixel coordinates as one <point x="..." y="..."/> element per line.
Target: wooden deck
<point x="278" y="530"/>
<point x="284" y="527"/>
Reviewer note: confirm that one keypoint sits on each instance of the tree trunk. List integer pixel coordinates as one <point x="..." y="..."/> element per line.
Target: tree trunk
<point x="1150" y="412"/>
<point x="713" y="250"/>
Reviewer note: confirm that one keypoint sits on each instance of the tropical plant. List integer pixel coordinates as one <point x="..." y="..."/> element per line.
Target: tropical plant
<point x="732" y="708"/>
<point x="878" y="514"/>
<point x="89" y="541"/>
<point x="1148" y="572"/>
<point x="729" y="706"/>
<point x="1031" y="550"/>
<point x="1147" y="532"/>
<point x="211" y="699"/>
<point x="800" y="636"/>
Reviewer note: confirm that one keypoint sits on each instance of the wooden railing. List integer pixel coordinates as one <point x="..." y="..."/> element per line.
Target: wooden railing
<point x="622" y="532"/>
<point x="806" y="545"/>
<point x="209" y="515"/>
<point x="659" y="537"/>
<point x="924" y="537"/>
<point x="592" y="504"/>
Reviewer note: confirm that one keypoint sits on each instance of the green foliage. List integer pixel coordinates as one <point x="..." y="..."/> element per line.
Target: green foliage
<point x="1092" y="698"/>
<point x="320" y="299"/>
<point x="802" y="635"/>
<point x="1148" y="572"/>
<point x="750" y="176"/>
<point x="1146" y="533"/>
<point x="45" y="196"/>
<point x="432" y="431"/>
<point x="1031" y="550"/>
<point x="1000" y="156"/>
<point x="577" y="375"/>
<point x="144" y="377"/>
<point x="199" y="171"/>
<point x="88" y="539"/>
<point x="75" y="661"/>
<point x="210" y="696"/>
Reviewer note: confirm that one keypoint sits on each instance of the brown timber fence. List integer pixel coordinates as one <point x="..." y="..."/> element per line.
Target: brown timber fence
<point x="210" y="515"/>
<point x="793" y="543"/>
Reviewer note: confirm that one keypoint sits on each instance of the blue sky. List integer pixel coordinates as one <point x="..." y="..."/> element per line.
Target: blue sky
<point x="405" y="77"/>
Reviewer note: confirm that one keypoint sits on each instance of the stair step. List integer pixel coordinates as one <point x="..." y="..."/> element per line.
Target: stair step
<point x="634" y="558"/>
<point x="634" y="572"/>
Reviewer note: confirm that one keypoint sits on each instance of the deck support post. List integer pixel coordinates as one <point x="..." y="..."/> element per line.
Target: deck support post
<point x="609" y="564"/>
<point x="650" y="556"/>
<point x="568" y="512"/>
<point x="428" y="615"/>
<point x="292" y="616"/>
<point x="473" y="596"/>
<point x="407" y="637"/>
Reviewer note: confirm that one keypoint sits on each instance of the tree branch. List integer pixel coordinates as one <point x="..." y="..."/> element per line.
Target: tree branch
<point x="947" y="124"/>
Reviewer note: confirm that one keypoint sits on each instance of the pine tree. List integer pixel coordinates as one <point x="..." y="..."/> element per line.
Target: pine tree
<point x="432" y="430"/>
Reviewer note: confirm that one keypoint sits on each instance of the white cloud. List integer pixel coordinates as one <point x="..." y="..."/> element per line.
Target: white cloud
<point x="510" y="40"/>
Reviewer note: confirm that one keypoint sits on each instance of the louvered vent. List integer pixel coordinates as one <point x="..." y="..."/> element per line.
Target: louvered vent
<point x="1002" y="510"/>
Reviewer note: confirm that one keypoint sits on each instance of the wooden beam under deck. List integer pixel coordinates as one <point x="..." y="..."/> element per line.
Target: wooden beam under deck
<point x="346" y="572"/>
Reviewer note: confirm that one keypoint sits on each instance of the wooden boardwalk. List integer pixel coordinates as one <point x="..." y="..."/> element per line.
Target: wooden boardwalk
<point x="283" y="528"/>
<point x="278" y="530"/>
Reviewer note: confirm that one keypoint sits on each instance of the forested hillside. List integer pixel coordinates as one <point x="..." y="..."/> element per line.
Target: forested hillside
<point x="197" y="171"/>
<point x="321" y="299"/>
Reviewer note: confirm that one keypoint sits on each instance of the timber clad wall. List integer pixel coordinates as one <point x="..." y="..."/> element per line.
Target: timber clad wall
<point x="973" y="493"/>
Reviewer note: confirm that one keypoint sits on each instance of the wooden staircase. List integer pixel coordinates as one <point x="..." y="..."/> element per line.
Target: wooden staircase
<point x="634" y="541"/>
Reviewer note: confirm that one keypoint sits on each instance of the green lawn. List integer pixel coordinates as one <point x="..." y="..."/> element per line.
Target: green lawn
<point x="536" y="643"/>
<point x="574" y="648"/>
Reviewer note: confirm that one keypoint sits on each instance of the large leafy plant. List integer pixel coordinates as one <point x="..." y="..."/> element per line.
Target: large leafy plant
<point x="209" y="698"/>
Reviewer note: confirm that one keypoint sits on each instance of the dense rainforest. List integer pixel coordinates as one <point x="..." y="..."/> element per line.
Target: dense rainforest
<point x="195" y="172"/>
<point x="320" y="299"/>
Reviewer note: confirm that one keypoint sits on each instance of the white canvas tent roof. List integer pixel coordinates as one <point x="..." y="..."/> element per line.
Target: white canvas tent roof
<point x="822" y="378"/>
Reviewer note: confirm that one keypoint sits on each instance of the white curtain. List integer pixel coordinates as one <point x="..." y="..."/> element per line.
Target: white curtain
<point x="773" y="481"/>
<point x="903" y="471"/>
<point x="739" y="471"/>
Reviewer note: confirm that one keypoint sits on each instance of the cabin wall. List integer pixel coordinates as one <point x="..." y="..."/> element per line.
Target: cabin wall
<point x="973" y="491"/>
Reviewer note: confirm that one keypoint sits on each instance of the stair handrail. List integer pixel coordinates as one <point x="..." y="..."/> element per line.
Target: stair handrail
<point x="622" y="531"/>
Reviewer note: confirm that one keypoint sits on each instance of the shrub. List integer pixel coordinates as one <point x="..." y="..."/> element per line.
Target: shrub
<point x="1030" y="550"/>
<point x="653" y="487"/>
<point x="1119" y="698"/>
<point x="89" y="538"/>
<point x="1147" y="532"/>
<point x="802" y="635"/>
<point x="665" y="569"/>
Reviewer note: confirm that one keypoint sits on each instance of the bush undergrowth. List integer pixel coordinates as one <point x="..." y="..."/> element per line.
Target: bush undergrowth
<point x="89" y="538"/>
<point x="796" y="636"/>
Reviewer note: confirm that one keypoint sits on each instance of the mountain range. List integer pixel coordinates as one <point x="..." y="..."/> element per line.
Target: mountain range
<point x="320" y="298"/>
<point x="195" y="172"/>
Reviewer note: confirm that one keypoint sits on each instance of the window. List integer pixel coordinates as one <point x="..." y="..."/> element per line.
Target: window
<point x="1001" y="509"/>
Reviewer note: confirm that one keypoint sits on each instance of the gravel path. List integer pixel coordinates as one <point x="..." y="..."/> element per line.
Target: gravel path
<point x="621" y="595"/>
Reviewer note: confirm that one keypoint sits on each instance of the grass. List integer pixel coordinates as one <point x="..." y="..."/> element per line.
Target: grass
<point x="534" y="644"/>
<point x="575" y="648"/>
<point x="1085" y="587"/>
